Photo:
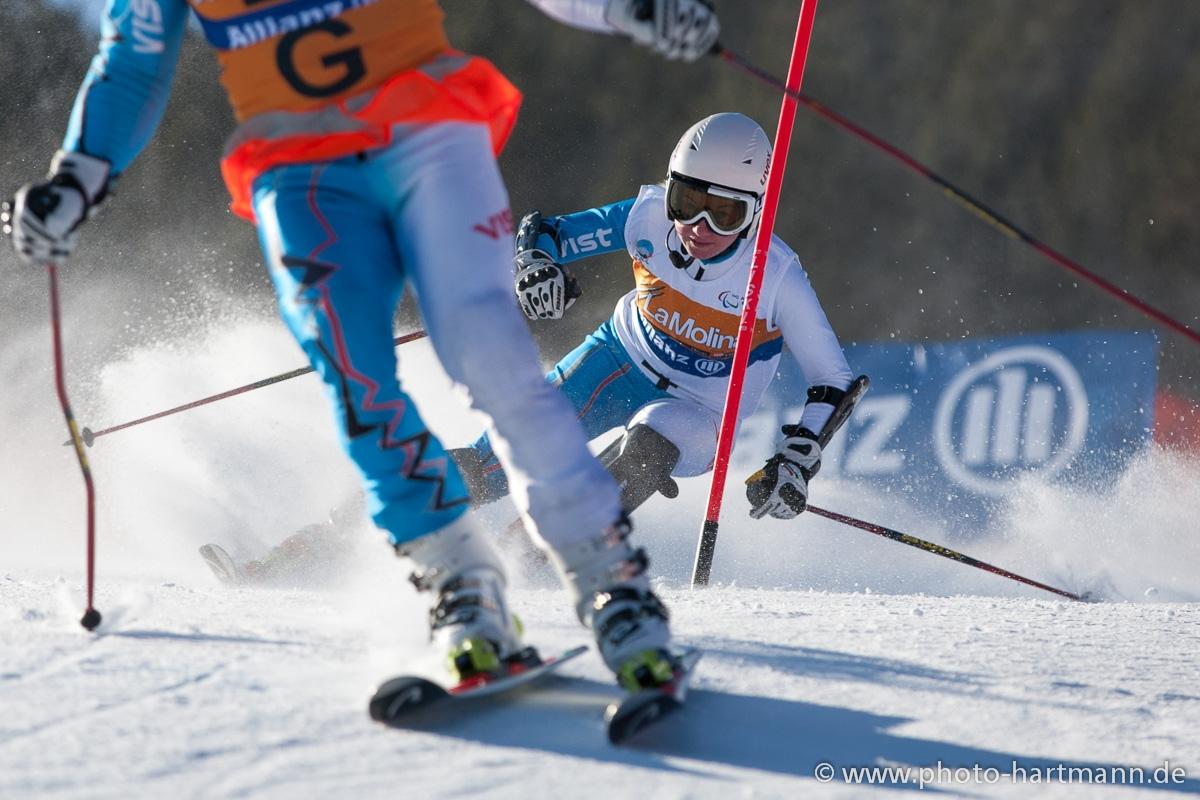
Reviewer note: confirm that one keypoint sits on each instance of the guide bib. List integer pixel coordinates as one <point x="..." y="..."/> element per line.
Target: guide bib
<point x="313" y="80"/>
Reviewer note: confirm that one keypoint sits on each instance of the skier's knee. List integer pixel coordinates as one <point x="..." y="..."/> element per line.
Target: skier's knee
<point x="642" y="461"/>
<point x="689" y="426"/>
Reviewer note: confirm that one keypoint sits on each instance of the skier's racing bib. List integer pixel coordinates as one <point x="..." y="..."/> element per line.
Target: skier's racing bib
<point x="309" y="80"/>
<point x="314" y="80"/>
<point x="690" y="336"/>
<point x="293" y="55"/>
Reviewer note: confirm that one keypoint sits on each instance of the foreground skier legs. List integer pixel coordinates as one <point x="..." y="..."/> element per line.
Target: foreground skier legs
<point x="341" y="238"/>
<point x="338" y="277"/>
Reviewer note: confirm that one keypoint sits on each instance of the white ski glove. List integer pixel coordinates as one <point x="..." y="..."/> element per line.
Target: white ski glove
<point x="45" y="217"/>
<point x="685" y="29"/>
<point x="545" y="288"/>
<point x="780" y="488"/>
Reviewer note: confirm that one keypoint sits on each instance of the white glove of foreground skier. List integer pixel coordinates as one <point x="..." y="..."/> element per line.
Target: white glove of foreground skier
<point x="684" y="29"/>
<point x="45" y="217"/>
<point x="780" y="488"/>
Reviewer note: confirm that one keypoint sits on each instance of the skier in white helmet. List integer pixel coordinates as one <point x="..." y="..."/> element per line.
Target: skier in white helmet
<point x="659" y="366"/>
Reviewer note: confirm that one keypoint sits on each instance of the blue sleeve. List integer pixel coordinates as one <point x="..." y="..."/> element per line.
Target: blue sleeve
<point x="125" y="91"/>
<point x="586" y="233"/>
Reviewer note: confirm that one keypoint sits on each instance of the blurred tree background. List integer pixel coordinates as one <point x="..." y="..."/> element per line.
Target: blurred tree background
<point x="1076" y="119"/>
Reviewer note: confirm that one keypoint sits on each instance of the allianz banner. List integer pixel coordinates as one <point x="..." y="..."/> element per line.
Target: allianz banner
<point x="953" y="425"/>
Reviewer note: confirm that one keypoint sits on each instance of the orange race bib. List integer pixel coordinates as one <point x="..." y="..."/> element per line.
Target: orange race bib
<point x="314" y="80"/>
<point x="295" y="55"/>
<point x="708" y="330"/>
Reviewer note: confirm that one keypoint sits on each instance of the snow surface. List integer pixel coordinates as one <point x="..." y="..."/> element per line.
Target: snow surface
<point x="823" y="643"/>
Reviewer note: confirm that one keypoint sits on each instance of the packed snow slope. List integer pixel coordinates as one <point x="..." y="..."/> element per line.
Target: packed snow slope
<point x="823" y="645"/>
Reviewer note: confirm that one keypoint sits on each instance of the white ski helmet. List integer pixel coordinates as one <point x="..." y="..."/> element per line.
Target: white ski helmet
<point x="727" y="150"/>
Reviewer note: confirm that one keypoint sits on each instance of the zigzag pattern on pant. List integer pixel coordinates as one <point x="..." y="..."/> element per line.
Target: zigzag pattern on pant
<point x="421" y="441"/>
<point x="314" y="276"/>
<point x="415" y="466"/>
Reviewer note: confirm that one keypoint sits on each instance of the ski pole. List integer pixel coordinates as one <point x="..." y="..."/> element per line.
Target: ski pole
<point x="90" y="436"/>
<point x="988" y="215"/>
<point x="707" y="543"/>
<point x="945" y="552"/>
<point x="91" y="617"/>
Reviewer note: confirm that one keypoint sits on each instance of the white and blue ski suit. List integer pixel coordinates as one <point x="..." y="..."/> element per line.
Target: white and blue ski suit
<point x="365" y="154"/>
<point x="663" y="358"/>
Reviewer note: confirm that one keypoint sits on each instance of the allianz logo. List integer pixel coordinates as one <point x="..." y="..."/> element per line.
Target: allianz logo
<point x="1020" y="410"/>
<point x="709" y="366"/>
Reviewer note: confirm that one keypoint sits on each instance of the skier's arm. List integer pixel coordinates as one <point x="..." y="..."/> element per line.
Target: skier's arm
<point x="592" y="232"/>
<point x="685" y="29"/>
<point x="125" y="91"/>
<point x="813" y="344"/>
<point x="545" y="286"/>
<point x="780" y="488"/>
<point x="115" y="114"/>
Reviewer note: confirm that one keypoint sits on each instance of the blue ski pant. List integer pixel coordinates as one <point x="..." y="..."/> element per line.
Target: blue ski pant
<point x="341" y="239"/>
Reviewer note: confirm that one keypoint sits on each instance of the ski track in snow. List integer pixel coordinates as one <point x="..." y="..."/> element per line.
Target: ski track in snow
<point x="822" y="643"/>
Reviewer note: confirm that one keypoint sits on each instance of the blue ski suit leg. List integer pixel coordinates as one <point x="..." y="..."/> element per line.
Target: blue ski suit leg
<point x="338" y="280"/>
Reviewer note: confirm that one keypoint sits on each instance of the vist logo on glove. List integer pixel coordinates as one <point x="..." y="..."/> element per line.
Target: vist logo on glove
<point x="780" y="488"/>
<point x="545" y="288"/>
<point x="46" y="216"/>
<point x="684" y="29"/>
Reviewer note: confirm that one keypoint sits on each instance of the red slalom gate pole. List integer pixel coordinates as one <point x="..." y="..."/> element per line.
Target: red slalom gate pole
<point x="976" y="207"/>
<point x="91" y="617"/>
<point x="762" y="243"/>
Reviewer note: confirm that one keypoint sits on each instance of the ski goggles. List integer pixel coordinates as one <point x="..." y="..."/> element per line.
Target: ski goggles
<point x="727" y="211"/>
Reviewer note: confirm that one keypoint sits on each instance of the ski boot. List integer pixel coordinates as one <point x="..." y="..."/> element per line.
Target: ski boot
<point x="470" y="620"/>
<point x="612" y="596"/>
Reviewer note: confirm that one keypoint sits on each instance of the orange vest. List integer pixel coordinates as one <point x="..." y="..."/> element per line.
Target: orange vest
<point x="313" y="80"/>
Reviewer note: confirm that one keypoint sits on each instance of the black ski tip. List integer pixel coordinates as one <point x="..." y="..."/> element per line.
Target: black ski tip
<point x="624" y="720"/>
<point x="91" y="619"/>
<point x="403" y="695"/>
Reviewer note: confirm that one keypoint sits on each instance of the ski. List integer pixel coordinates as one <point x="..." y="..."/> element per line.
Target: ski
<point x="636" y="712"/>
<point x="222" y="564"/>
<point x="410" y="698"/>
